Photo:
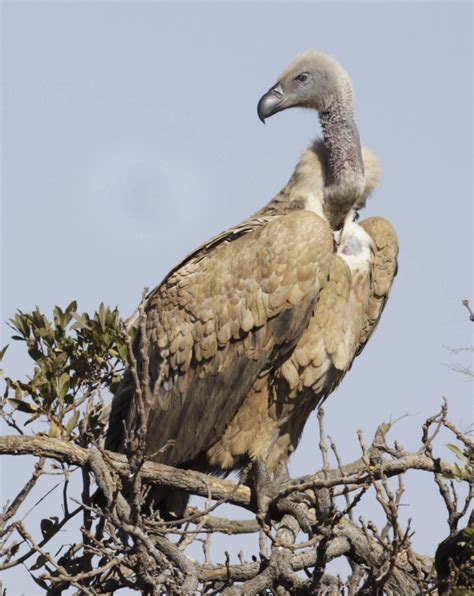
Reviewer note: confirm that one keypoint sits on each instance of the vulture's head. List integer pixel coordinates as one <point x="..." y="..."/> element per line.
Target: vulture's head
<point x="313" y="80"/>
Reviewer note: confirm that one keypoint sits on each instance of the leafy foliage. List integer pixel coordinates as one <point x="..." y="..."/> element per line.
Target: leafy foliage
<point x="75" y="356"/>
<point x="463" y="471"/>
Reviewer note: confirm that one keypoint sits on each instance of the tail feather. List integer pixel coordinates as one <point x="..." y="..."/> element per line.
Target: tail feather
<point x="118" y="414"/>
<point x="170" y="503"/>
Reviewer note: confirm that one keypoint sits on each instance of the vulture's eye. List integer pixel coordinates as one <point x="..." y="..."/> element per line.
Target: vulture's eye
<point x="301" y="78"/>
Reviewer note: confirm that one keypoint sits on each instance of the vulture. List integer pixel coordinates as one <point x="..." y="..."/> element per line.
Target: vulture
<point x="256" y="327"/>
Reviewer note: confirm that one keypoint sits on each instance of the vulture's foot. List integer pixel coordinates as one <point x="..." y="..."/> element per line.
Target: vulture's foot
<point x="265" y="488"/>
<point x="297" y="505"/>
<point x="268" y="503"/>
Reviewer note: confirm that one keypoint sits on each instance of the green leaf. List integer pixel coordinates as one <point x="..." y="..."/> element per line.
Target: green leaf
<point x="54" y="430"/>
<point x="33" y="352"/>
<point x="41" y="583"/>
<point x="40" y="561"/>
<point x="21" y="323"/>
<point x="123" y="352"/>
<point x="2" y="352"/>
<point x="58" y="317"/>
<point x="72" y="307"/>
<point x="63" y="385"/>
<point x="80" y="321"/>
<point x="39" y="319"/>
<point x="455" y="449"/>
<point x="23" y="406"/>
<point x="102" y="316"/>
<point x="61" y="358"/>
<point x="71" y="423"/>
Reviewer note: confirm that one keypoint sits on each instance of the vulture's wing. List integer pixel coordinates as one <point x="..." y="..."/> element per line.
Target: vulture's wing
<point x="324" y="344"/>
<point x="348" y="310"/>
<point x="383" y="271"/>
<point x="233" y="309"/>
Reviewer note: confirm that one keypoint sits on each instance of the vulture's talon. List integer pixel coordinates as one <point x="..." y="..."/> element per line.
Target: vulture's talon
<point x="269" y="504"/>
<point x="295" y="507"/>
<point x="266" y="490"/>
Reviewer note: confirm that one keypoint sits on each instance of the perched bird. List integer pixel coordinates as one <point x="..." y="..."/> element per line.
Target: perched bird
<point x="254" y="329"/>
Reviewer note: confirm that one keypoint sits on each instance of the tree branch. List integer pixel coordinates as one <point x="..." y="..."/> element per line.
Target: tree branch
<point x="201" y="484"/>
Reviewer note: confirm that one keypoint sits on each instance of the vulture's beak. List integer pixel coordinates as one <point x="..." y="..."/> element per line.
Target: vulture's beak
<point x="271" y="102"/>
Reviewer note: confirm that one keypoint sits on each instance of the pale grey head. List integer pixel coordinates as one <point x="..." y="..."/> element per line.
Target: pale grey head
<point x="313" y="80"/>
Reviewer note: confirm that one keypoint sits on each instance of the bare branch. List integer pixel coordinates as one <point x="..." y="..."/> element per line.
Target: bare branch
<point x="467" y="305"/>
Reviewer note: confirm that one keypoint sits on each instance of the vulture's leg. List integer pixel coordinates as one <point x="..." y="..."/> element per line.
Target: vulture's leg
<point x="267" y="491"/>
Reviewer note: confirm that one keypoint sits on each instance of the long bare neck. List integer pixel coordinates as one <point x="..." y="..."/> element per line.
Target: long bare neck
<point x="342" y="142"/>
<point x="344" y="168"/>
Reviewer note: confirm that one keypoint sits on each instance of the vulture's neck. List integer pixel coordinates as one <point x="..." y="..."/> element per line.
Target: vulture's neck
<point x="342" y="142"/>
<point x="330" y="179"/>
<point x="344" y="175"/>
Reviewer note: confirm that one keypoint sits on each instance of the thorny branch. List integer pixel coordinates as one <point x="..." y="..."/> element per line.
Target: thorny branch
<point x="380" y="560"/>
<point x="121" y="544"/>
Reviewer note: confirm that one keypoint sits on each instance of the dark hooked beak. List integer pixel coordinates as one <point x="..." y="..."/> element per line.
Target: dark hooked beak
<point x="270" y="103"/>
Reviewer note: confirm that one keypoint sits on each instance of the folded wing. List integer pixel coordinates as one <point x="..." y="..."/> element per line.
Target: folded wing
<point x="230" y="311"/>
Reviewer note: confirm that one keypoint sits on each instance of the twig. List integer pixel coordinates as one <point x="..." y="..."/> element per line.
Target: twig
<point x="22" y="495"/>
<point x="471" y="313"/>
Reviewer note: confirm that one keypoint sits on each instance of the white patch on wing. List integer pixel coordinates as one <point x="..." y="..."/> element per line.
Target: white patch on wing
<point x="352" y="247"/>
<point x="355" y="246"/>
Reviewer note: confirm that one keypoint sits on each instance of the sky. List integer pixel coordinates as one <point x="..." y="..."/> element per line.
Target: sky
<point x="130" y="136"/>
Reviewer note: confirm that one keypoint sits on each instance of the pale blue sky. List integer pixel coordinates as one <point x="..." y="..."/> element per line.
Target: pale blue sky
<point x="130" y="135"/>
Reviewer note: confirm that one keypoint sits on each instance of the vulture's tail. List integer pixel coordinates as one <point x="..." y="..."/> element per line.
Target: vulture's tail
<point x="171" y="503"/>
